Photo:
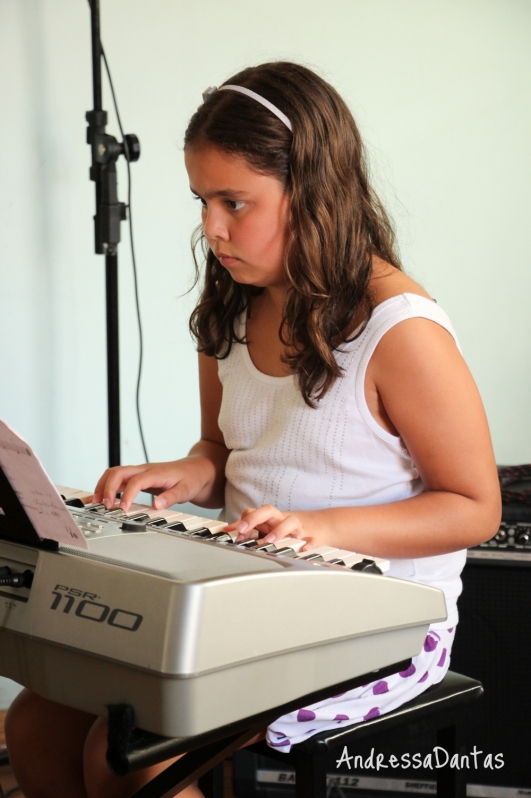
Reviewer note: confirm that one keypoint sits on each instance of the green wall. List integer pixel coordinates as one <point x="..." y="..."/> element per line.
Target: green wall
<point x="441" y="92"/>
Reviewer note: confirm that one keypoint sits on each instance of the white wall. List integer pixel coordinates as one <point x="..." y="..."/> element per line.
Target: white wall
<point x="441" y="91"/>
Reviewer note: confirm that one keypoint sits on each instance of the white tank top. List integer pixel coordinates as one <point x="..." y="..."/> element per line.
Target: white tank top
<point x="294" y="457"/>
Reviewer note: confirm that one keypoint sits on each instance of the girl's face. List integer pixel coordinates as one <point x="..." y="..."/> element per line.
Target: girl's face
<point x="244" y="215"/>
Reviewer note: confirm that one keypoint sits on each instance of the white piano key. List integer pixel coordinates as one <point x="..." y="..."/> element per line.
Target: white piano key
<point x="326" y="552"/>
<point x="294" y="543"/>
<point x="74" y="493"/>
<point x="349" y="557"/>
<point x="142" y="508"/>
<point x="171" y="516"/>
<point x="216" y="526"/>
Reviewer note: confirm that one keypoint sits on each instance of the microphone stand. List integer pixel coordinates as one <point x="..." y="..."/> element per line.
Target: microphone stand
<point x="109" y="214"/>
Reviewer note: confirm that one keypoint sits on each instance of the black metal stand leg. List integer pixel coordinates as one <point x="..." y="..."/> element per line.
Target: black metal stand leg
<point x="310" y="774"/>
<point x="451" y="782"/>
<point x="113" y="359"/>
<point x="193" y="765"/>
<point x="212" y="783"/>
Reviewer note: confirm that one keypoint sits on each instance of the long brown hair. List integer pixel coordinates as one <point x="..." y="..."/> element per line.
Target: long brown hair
<point x="336" y="223"/>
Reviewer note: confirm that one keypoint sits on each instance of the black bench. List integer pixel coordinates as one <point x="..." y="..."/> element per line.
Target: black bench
<point x="438" y="709"/>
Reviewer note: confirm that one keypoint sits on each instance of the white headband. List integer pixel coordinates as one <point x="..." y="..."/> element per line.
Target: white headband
<point x="253" y="95"/>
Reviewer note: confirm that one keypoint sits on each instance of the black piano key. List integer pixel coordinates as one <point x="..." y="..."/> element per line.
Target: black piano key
<point x="201" y="533"/>
<point x="312" y="557"/>
<point x="336" y="561"/>
<point x="157" y="521"/>
<point x="366" y="566"/>
<point x="139" y="517"/>
<point x="74" y="503"/>
<point x="222" y="537"/>
<point x="266" y="547"/>
<point x="96" y="508"/>
<point x="178" y="526"/>
<point x="286" y="551"/>
<point x="116" y="513"/>
<point x="248" y="544"/>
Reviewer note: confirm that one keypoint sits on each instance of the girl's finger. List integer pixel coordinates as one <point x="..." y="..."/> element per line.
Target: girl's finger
<point x="139" y="482"/>
<point x="252" y="534"/>
<point x="177" y="494"/>
<point x="263" y="515"/>
<point x="115" y="480"/>
<point x="290" y="527"/>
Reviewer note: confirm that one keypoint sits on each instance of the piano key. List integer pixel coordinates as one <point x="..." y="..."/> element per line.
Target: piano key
<point x="73" y="493"/>
<point x="175" y="515"/>
<point x="367" y="566"/>
<point x="176" y="527"/>
<point x="326" y="552"/>
<point x="190" y="522"/>
<point x="312" y="557"/>
<point x="222" y="537"/>
<point x="295" y="543"/>
<point x="266" y="547"/>
<point x="348" y="558"/>
<point x="285" y="551"/>
<point x="116" y="513"/>
<point x="145" y="509"/>
<point x="201" y="533"/>
<point x="138" y="517"/>
<point x="169" y="516"/>
<point x="208" y="523"/>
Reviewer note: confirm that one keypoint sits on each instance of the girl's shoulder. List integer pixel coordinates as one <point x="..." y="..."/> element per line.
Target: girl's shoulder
<point x="387" y="281"/>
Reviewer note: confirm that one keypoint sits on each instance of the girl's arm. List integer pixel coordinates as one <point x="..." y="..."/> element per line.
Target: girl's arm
<point x="199" y="477"/>
<point x="426" y="393"/>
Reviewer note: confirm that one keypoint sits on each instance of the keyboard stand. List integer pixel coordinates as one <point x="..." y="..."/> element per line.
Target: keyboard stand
<point x="131" y="749"/>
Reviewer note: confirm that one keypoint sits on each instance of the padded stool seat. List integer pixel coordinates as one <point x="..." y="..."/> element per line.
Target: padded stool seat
<point x="438" y="709"/>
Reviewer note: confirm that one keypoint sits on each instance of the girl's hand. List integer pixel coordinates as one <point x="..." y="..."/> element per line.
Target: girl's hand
<point x="271" y="524"/>
<point x="175" y="482"/>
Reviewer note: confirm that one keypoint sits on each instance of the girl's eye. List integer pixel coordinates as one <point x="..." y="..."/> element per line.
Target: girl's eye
<point x="235" y="205"/>
<point x="201" y="200"/>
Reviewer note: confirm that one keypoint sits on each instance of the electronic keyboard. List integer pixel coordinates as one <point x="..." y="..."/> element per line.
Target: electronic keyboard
<point x="165" y="612"/>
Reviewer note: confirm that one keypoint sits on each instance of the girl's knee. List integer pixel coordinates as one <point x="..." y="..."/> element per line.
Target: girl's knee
<point x="45" y="743"/>
<point x="96" y="772"/>
<point x="22" y="719"/>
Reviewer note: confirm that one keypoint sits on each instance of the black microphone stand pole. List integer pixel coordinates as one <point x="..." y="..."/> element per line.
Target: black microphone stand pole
<point x="109" y="214"/>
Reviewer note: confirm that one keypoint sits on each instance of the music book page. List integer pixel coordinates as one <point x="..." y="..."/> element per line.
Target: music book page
<point x="35" y="491"/>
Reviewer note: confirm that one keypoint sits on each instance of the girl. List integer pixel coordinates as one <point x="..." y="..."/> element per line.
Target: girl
<point x="336" y="406"/>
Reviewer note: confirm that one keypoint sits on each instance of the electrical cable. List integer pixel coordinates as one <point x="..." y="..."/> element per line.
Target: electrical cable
<point x="133" y="256"/>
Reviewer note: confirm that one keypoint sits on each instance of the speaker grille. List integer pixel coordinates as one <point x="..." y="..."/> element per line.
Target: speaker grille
<point x="493" y="644"/>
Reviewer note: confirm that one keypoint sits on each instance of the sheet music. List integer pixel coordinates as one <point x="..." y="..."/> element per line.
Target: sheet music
<point x="37" y="494"/>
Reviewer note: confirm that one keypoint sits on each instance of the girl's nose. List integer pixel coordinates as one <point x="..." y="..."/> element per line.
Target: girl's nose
<point x="214" y="225"/>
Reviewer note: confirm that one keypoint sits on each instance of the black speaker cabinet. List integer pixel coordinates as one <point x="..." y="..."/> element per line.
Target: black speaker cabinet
<point x="493" y="644"/>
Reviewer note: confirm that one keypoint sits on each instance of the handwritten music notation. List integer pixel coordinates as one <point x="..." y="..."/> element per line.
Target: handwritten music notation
<point x="35" y="491"/>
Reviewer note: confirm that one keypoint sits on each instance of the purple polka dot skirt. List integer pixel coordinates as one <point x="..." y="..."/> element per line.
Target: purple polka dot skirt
<point x="370" y="700"/>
